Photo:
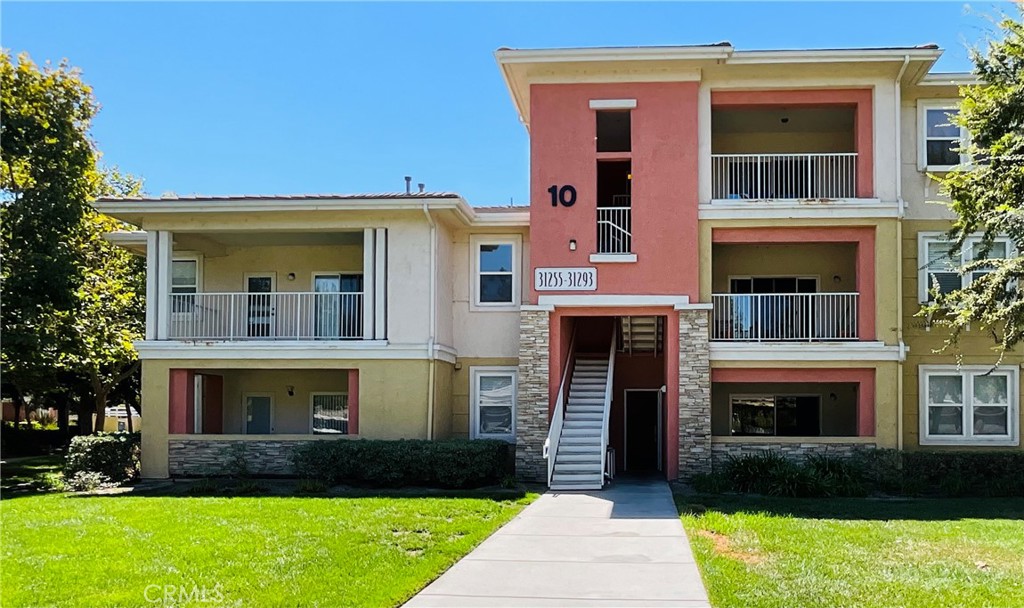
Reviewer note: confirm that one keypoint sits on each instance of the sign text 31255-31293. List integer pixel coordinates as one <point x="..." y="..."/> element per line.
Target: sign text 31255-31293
<point x="565" y="279"/>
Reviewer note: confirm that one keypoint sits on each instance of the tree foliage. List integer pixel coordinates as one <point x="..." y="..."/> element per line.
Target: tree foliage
<point x="988" y="194"/>
<point x="72" y="302"/>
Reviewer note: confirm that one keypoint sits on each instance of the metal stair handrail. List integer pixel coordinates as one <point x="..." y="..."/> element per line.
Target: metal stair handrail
<point x="607" y="407"/>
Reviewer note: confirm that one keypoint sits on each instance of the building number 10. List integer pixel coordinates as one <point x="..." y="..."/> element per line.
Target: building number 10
<point x="566" y="195"/>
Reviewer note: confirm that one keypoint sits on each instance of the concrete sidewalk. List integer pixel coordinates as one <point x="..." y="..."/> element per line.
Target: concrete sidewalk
<point x="623" y="546"/>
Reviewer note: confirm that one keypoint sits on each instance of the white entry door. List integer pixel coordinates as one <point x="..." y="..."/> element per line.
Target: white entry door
<point x="261" y="306"/>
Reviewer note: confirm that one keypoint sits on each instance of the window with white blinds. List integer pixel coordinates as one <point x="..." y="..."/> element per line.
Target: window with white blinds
<point x="330" y="413"/>
<point x="493" y="412"/>
<point x="941" y="262"/>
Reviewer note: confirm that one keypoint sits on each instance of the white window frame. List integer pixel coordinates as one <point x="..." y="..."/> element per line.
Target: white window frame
<point x="312" y="397"/>
<point x="475" y="242"/>
<point x="187" y="257"/>
<point x="922" y="133"/>
<point x="475" y="373"/>
<point x="967" y="373"/>
<point x="925" y="238"/>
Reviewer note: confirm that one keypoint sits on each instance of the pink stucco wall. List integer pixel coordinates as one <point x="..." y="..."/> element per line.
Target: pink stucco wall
<point x="664" y="187"/>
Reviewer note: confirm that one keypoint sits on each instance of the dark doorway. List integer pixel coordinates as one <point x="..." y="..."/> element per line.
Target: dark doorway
<point x="643" y="430"/>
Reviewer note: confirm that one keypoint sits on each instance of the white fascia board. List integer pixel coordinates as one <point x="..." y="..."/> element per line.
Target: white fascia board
<point x="805" y="351"/>
<point x="946" y="79"/>
<point x="612" y="300"/>
<point x="511" y="218"/>
<point x="832" y="56"/>
<point x="297" y="349"/>
<point x="862" y="208"/>
<point x="649" y="53"/>
<point x="193" y="206"/>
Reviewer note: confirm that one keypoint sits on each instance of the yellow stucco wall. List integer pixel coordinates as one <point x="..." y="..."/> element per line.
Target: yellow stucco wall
<point x="392" y="397"/>
<point x="292" y="413"/>
<point x="924" y="340"/>
<point x="821" y="260"/>
<point x="442" y="400"/>
<point x="227" y="273"/>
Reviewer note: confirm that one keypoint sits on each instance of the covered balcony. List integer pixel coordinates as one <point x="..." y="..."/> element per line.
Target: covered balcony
<point x="267" y="287"/>
<point x="792" y="292"/>
<point x="789" y="146"/>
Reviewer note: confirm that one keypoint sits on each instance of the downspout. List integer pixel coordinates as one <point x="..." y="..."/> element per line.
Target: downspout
<point x="898" y="94"/>
<point x="433" y="323"/>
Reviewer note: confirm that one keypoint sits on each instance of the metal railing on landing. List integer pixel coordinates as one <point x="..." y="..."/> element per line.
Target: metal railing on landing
<point x="784" y="176"/>
<point x="266" y="316"/>
<point x="558" y="416"/>
<point x="808" y="317"/>
<point x="615" y="229"/>
<point x="607" y="409"/>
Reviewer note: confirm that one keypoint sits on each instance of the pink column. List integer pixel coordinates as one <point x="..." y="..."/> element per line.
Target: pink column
<point x="181" y="402"/>
<point x="353" y="402"/>
<point x="866" y="405"/>
<point x="671" y="403"/>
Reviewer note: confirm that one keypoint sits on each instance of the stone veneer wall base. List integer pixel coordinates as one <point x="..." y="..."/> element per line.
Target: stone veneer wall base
<point x="532" y="404"/>
<point x="797" y="452"/>
<point x="216" y="458"/>
<point x="694" y="393"/>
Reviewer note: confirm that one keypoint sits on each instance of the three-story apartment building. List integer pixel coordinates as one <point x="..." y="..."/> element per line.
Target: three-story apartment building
<point x="724" y="252"/>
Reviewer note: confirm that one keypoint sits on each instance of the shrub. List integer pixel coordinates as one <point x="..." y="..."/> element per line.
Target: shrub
<point x="204" y="487"/>
<point x="28" y="441"/>
<point x="87" y="481"/>
<point x="310" y="486"/>
<point x="115" y="456"/>
<point x="406" y="462"/>
<point x="710" y="483"/>
<point x="966" y="473"/>
<point x="836" y="476"/>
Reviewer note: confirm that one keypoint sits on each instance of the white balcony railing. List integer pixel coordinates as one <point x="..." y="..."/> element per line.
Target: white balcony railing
<point x="615" y="228"/>
<point x="266" y="316"/>
<point x="784" y="176"/>
<point x="809" y="317"/>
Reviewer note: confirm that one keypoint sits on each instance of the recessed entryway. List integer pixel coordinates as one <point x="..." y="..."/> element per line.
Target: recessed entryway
<point x="642" y="427"/>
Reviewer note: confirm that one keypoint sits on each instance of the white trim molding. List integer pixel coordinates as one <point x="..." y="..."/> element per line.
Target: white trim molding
<point x="612" y="258"/>
<point x="806" y="351"/>
<point x="611" y="300"/>
<point x="727" y="209"/>
<point x="612" y="104"/>
<point x="291" y="349"/>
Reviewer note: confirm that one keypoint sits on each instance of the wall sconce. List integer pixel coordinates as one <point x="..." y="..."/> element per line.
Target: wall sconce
<point x="837" y="279"/>
<point x="833" y="396"/>
<point x="291" y="390"/>
<point x="458" y="365"/>
<point x="291" y="276"/>
<point x="572" y="244"/>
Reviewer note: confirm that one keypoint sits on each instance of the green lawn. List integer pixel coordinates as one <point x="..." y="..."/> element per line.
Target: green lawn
<point x="789" y="553"/>
<point x="266" y="551"/>
<point x="18" y="475"/>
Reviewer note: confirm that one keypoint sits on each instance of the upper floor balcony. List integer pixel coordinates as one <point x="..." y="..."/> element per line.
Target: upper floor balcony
<point x="790" y="147"/>
<point x="319" y="287"/>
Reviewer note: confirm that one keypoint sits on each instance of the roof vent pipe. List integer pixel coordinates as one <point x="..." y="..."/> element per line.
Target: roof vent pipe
<point x="408" y="184"/>
<point x="421" y="187"/>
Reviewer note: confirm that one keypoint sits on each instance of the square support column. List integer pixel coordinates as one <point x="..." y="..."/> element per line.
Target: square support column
<point x="694" y="393"/>
<point x="162" y="287"/>
<point x="369" y="281"/>
<point x="532" y="407"/>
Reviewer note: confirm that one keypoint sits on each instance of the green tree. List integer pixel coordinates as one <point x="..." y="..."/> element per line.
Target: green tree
<point x="73" y="302"/>
<point x="47" y="178"/>
<point x="988" y="196"/>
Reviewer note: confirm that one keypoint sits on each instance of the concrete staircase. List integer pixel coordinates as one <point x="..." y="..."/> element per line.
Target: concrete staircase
<point x="578" y="458"/>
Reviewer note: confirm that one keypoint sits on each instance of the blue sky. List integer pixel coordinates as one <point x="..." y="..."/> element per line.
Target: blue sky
<point x="263" y="98"/>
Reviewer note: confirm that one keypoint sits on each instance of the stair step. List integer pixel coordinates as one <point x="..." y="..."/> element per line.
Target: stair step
<point x="574" y="468"/>
<point x="578" y="423"/>
<point x="590" y="441"/>
<point x="576" y="478"/>
<point x="579" y="457"/>
<point x="584" y="417"/>
<point x="569" y="431"/>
